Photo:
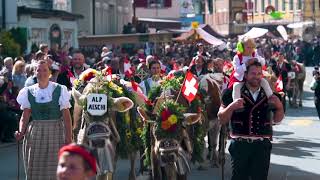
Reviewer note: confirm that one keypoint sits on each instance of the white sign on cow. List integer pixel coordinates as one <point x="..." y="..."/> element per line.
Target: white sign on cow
<point x="97" y="104"/>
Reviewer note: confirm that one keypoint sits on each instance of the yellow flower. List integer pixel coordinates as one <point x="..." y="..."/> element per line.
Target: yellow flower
<point x="76" y="82"/>
<point x="172" y="119"/>
<point x="139" y="131"/>
<point x="127" y="118"/>
<point x="128" y="133"/>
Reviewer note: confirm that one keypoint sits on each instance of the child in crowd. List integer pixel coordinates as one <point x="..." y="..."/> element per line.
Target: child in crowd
<point x="76" y="162"/>
<point x="245" y="56"/>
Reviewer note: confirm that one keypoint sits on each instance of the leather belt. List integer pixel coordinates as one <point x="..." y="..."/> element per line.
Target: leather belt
<point x="250" y="140"/>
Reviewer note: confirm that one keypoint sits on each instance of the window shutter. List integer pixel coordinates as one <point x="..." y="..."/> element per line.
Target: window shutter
<point x="167" y="3"/>
<point x="141" y="3"/>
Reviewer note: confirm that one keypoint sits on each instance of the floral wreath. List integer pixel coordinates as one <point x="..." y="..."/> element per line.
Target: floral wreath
<point x="169" y="119"/>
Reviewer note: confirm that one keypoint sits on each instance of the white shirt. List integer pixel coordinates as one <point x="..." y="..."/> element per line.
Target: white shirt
<point x="43" y="95"/>
<point x="239" y="69"/>
<point x="151" y="83"/>
<point x="255" y="94"/>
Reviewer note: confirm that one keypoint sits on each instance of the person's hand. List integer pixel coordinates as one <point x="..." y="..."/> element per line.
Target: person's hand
<point x="237" y="104"/>
<point x="18" y="135"/>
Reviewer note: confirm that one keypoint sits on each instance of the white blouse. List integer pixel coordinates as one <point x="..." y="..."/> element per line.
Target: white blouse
<point x="43" y="95"/>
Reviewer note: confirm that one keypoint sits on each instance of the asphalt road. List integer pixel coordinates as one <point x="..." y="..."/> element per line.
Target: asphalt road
<point x="295" y="152"/>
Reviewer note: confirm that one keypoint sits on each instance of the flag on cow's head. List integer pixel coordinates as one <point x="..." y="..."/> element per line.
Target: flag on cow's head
<point x="190" y="87"/>
<point x="279" y="84"/>
<point x="127" y="68"/>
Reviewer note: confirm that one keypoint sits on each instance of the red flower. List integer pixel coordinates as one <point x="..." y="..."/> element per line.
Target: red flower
<point x="173" y="128"/>
<point x="165" y="114"/>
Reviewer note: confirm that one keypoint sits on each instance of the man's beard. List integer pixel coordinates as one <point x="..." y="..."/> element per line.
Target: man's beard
<point x="254" y="83"/>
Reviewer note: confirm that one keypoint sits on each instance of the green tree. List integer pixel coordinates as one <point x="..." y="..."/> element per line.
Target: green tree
<point x="19" y="34"/>
<point x="10" y="47"/>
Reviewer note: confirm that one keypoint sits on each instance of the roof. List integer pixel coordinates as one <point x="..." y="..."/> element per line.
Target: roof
<point x="47" y="13"/>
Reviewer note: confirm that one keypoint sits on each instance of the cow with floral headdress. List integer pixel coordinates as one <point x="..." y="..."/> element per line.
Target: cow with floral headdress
<point x="101" y="101"/>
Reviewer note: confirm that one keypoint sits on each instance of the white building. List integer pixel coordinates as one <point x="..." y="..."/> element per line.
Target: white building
<point x="48" y="21"/>
<point x="102" y="16"/>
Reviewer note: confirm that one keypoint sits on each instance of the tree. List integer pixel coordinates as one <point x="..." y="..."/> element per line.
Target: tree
<point x="10" y="47"/>
<point x="20" y="36"/>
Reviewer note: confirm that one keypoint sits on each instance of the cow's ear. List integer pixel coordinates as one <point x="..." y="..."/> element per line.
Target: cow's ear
<point x="191" y="118"/>
<point x="76" y="95"/>
<point x="122" y="104"/>
<point x="143" y="114"/>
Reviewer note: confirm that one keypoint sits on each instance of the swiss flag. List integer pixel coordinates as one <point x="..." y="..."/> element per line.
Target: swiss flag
<point x="190" y="87"/>
<point x="279" y="84"/>
<point x="136" y="88"/>
<point x="108" y="73"/>
<point x="127" y="68"/>
<point x="163" y="68"/>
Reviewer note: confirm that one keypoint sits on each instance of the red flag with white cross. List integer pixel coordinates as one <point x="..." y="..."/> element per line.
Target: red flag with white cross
<point x="190" y="87"/>
<point x="279" y="84"/>
<point x="127" y="68"/>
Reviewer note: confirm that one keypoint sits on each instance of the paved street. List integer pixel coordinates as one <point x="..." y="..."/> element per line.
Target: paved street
<point x="295" y="154"/>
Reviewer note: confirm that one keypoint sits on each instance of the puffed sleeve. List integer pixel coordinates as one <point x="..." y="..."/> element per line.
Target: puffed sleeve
<point x="239" y="68"/>
<point x="22" y="99"/>
<point x="260" y="59"/>
<point x="64" y="100"/>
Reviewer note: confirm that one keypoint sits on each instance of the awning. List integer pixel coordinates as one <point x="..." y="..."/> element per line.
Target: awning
<point x="205" y="32"/>
<point x="300" y="24"/>
<point x="211" y="31"/>
<point x="160" y="23"/>
<point x="254" y="33"/>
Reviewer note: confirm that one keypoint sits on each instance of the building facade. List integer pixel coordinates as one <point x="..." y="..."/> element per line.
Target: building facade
<point x="236" y="17"/>
<point x="49" y="21"/>
<point x="182" y="11"/>
<point x="102" y="16"/>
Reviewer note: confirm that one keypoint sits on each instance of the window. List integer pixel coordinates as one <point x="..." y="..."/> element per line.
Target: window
<point x="291" y="5"/>
<point x="299" y="4"/>
<point x="262" y="6"/>
<point x="256" y="6"/>
<point x="276" y="5"/>
<point x="283" y="5"/>
<point x="269" y="2"/>
<point x="155" y="3"/>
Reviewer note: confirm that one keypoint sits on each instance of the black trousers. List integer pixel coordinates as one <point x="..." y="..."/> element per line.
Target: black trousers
<point x="250" y="160"/>
<point x="317" y="104"/>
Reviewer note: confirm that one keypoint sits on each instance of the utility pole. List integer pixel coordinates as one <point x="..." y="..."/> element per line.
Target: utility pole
<point x="94" y="17"/>
<point x="4" y="14"/>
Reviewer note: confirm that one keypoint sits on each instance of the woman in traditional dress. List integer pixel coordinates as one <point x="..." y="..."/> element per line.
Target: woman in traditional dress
<point x="48" y="105"/>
